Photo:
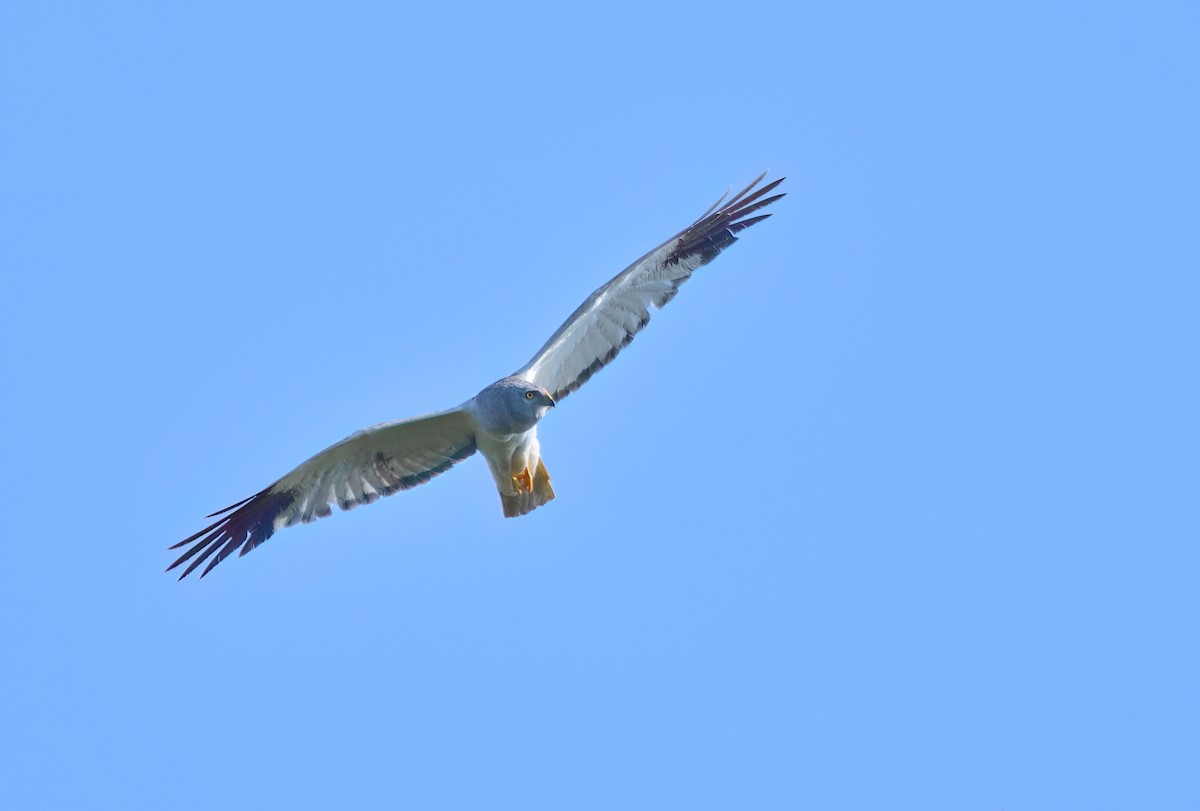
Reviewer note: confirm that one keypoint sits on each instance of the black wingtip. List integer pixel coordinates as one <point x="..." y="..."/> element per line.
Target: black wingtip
<point x="742" y="225"/>
<point x="251" y="522"/>
<point x="235" y="506"/>
<point x="715" y="230"/>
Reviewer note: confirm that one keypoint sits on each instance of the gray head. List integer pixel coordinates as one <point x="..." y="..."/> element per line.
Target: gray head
<point x="512" y="405"/>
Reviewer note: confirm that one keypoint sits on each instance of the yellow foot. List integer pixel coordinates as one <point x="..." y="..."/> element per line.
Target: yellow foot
<point x="523" y="481"/>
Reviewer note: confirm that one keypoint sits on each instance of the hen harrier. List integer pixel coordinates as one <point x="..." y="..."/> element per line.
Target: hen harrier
<point x="501" y="421"/>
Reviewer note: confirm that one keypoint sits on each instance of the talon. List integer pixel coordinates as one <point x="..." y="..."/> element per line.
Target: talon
<point x="523" y="481"/>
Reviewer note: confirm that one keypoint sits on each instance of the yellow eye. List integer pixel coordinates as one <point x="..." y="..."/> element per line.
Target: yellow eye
<point x="528" y="395"/>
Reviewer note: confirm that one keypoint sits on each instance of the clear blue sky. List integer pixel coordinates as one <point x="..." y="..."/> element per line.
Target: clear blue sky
<point x="895" y="506"/>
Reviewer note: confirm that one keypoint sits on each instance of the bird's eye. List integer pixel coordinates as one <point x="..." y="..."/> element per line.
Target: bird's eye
<point x="528" y="395"/>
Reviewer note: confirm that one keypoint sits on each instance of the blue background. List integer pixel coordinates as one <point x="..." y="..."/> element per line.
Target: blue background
<point x="894" y="506"/>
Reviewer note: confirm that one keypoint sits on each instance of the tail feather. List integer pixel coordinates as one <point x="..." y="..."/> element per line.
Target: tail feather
<point x="524" y="502"/>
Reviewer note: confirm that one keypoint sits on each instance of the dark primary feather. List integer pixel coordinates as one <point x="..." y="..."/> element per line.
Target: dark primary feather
<point x="714" y="232"/>
<point x="251" y="522"/>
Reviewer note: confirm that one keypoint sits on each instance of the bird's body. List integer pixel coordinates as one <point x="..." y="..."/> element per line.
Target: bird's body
<point x="500" y="422"/>
<point x="506" y="415"/>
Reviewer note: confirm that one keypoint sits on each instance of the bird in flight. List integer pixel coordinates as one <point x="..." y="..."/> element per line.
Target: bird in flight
<point x="500" y="421"/>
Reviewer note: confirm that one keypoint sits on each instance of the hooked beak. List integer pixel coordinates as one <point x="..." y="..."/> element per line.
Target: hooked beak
<point x="551" y="399"/>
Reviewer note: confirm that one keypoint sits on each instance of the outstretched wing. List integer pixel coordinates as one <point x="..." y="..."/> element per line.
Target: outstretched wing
<point x="607" y="321"/>
<point x="368" y="464"/>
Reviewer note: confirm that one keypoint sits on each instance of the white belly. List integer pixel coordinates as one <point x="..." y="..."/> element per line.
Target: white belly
<point x="508" y="455"/>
